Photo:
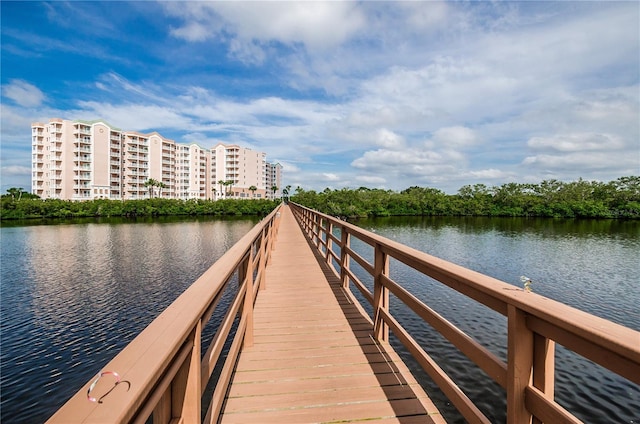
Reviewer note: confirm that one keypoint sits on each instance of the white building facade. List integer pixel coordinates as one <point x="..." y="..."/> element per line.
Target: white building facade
<point x="274" y="181"/>
<point x="82" y="160"/>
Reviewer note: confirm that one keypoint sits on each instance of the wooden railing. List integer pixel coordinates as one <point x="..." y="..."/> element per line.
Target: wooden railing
<point x="534" y="323"/>
<point x="162" y="373"/>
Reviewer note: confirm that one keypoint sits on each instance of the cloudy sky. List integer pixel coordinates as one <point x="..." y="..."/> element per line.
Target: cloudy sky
<point x="342" y="94"/>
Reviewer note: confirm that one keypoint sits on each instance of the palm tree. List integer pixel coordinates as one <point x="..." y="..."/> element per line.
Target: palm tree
<point x="285" y="193"/>
<point x="253" y="189"/>
<point x="14" y="191"/>
<point x="274" y="188"/>
<point x="229" y="184"/>
<point x="150" y="184"/>
<point x="221" y="183"/>
<point x="160" y="185"/>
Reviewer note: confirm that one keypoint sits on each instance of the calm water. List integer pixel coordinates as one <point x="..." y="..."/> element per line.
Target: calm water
<point x="591" y="265"/>
<point x="73" y="295"/>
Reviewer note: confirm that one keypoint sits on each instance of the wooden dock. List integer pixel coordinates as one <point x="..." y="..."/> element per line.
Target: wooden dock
<point x="305" y="351"/>
<point x="313" y="357"/>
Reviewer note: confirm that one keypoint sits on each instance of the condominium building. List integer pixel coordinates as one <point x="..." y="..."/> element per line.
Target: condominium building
<point x="238" y="172"/>
<point x="80" y="160"/>
<point x="274" y="179"/>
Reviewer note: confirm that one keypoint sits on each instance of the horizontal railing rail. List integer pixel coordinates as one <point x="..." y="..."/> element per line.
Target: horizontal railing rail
<point x="163" y="373"/>
<point x="534" y="323"/>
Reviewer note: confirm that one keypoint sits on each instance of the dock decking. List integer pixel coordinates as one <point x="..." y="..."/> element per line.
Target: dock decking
<point x="314" y="358"/>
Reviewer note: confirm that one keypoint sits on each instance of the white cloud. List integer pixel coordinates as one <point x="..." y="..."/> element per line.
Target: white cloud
<point x="580" y="154"/>
<point x="16" y="170"/>
<point x="371" y="179"/>
<point x="489" y="174"/>
<point x="584" y="161"/>
<point x="247" y="52"/>
<point x="424" y="16"/>
<point x="137" y="117"/>
<point x="289" y="167"/>
<point x="192" y="31"/>
<point x="389" y="139"/>
<point x="457" y="136"/>
<point x="23" y="93"/>
<point x="401" y="159"/>
<point x="577" y="142"/>
<point x="330" y="177"/>
<point x="316" y="25"/>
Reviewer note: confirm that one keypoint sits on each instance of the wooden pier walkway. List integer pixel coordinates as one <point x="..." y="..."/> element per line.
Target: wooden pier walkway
<point x="305" y="351"/>
<point x="314" y="358"/>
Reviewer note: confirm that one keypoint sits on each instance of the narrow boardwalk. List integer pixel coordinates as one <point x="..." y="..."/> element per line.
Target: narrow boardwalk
<point x="314" y="358"/>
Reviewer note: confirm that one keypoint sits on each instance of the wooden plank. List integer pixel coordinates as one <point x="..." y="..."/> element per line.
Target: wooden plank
<point x="361" y="411"/>
<point x="316" y="385"/>
<point x="314" y="399"/>
<point x="313" y="357"/>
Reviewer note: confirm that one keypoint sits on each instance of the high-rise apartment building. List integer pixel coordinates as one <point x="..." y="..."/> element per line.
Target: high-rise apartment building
<point x="274" y="179"/>
<point x="80" y="160"/>
<point x="238" y="172"/>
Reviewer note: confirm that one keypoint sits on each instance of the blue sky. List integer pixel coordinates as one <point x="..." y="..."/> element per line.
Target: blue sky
<point x="342" y="94"/>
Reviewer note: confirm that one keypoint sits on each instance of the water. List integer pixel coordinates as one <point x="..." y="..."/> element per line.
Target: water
<point x="72" y="296"/>
<point x="591" y="265"/>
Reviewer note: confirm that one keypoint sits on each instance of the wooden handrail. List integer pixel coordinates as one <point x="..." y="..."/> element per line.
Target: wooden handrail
<point x="534" y="323"/>
<point x="162" y="372"/>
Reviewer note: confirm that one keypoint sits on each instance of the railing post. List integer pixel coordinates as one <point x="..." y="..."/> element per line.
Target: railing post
<point x="380" y="294"/>
<point x="272" y="234"/>
<point x="519" y="365"/>
<point x="314" y="229"/>
<point x="329" y="233"/>
<point x="319" y="233"/>
<point x="247" y="307"/>
<point x="265" y="245"/>
<point x="543" y="367"/>
<point x="181" y="402"/>
<point x="345" y="241"/>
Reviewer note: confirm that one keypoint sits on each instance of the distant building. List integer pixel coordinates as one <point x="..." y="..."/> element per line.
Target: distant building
<point x="274" y="181"/>
<point x="80" y="160"/>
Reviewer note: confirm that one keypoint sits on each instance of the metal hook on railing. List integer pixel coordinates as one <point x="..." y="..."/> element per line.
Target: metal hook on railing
<point x="95" y="382"/>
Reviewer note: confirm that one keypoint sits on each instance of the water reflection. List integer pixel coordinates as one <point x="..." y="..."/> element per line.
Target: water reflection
<point x="75" y="295"/>
<point x="590" y="265"/>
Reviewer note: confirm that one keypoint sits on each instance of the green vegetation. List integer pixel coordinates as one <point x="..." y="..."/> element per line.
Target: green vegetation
<point x="13" y="207"/>
<point x="550" y="198"/>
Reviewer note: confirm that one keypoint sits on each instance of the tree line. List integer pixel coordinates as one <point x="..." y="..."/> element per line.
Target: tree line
<point x="550" y="198"/>
<point x="28" y="206"/>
